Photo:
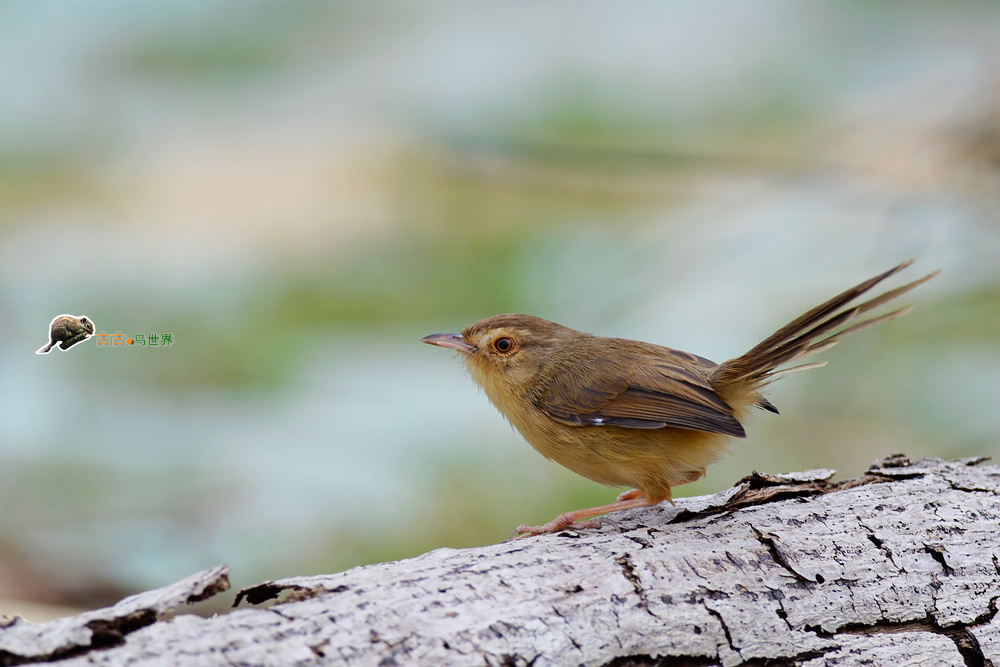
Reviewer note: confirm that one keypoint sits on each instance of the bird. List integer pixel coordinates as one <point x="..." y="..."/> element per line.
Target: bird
<point x="627" y="413"/>
<point x="67" y="331"/>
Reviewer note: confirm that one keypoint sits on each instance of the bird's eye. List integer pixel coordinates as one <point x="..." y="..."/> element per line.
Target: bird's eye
<point x="504" y="345"/>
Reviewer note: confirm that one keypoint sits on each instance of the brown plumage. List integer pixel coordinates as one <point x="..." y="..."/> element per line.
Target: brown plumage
<point x="624" y="412"/>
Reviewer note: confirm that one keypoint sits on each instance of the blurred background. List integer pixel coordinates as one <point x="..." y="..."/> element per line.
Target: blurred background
<point x="298" y="191"/>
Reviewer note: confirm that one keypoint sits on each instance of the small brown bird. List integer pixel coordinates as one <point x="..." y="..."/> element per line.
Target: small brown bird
<point x="67" y="330"/>
<point x="628" y="413"/>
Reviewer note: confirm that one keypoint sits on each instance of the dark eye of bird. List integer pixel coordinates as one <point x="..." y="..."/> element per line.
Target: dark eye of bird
<point x="503" y="345"/>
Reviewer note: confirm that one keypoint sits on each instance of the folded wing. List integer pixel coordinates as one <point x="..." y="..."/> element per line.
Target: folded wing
<point x="645" y="391"/>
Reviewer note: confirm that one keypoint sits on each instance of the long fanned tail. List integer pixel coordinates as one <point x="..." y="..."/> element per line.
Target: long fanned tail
<point x="815" y="331"/>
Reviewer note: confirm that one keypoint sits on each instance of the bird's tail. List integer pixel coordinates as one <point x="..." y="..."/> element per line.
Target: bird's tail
<point x="819" y="329"/>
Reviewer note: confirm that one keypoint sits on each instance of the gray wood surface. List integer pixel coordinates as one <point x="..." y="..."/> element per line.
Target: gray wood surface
<point x="898" y="567"/>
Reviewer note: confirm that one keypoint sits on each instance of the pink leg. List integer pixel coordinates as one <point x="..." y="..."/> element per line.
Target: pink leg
<point x="573" y="519"/>
<point x="629" y="495"/>
<point x="631" y="499"/>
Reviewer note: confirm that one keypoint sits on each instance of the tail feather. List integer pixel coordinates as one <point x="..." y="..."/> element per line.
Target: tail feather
<point x="813" y="332"/>
<point x="801" y="324"/>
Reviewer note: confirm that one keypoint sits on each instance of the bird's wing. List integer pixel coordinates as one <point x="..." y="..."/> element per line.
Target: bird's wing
<point x="658" y="391"/>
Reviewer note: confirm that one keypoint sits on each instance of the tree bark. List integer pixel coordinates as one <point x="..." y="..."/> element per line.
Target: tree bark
<point x="898" y="567"/>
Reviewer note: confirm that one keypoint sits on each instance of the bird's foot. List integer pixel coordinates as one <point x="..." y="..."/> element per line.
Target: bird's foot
<point x="561" y="522"/>
<point x="573" y="520"/>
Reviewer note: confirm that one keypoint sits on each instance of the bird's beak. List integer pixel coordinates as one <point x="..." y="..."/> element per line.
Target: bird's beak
<point x="454" y="341"/>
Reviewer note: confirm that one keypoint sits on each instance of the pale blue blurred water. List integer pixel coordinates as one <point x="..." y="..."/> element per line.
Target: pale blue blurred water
<point x="199" y="187"/>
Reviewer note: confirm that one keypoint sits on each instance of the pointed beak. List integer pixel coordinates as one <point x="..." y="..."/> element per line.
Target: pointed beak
<point x="454" y="341"/>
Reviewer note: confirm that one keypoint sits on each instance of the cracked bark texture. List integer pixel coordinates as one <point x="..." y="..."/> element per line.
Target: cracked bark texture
<point x="898" y="567"/>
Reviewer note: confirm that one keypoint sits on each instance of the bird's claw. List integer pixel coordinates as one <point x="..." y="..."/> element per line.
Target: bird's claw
<point x="560" y="523"/>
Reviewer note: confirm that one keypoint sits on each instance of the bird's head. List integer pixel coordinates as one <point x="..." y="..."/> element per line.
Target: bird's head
<point x="506" y="352"/>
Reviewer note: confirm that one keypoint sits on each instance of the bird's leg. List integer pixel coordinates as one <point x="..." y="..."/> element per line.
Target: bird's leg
<point x="631" y="499"/>
<point x="634" y="500"/>
<point x="629" y="495"/>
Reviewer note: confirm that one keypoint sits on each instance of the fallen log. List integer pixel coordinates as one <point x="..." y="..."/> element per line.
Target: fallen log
<point x="899" y="566"/>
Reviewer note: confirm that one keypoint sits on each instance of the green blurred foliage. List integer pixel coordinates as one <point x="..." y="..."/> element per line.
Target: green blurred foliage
<point x="482" y="197"/>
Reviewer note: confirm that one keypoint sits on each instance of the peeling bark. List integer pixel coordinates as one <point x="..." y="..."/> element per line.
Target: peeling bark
<point x="23" y="642"/>
<point x="900" y="566"/>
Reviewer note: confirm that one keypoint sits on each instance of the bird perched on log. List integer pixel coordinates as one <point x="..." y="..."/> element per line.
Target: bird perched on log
<point x="623" y="412"/>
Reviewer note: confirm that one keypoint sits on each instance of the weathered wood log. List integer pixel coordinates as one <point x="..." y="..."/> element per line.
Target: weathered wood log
<point x="898" y="567"/>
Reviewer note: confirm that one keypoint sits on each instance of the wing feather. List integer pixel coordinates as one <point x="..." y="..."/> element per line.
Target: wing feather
<point x="644" y="391"/>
